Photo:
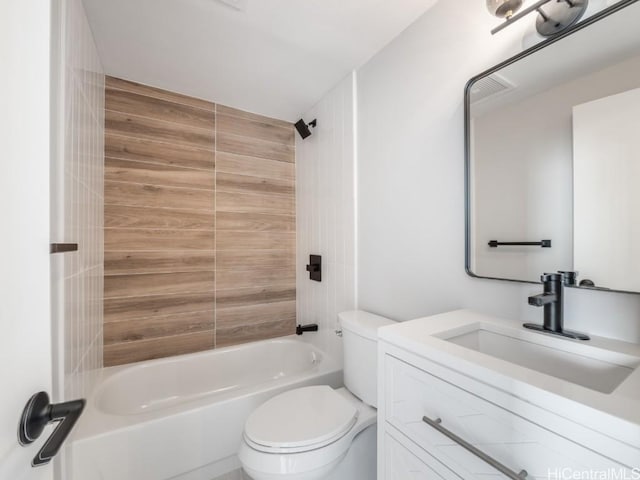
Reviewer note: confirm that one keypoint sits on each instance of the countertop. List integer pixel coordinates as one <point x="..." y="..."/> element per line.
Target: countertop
<point x="615" y="414"/>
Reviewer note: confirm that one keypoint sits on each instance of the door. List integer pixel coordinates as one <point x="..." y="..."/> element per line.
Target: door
<point x="25" y="315"/>
<point x="606" y="196"/>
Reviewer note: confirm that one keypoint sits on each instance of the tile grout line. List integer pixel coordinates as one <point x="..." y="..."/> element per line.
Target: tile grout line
<point x="164" y="315"/>
<point x="254" y="139"/>
<point x="215" y="224"/>
<point x="157" y="185"/>
<point x="159" y="164"/>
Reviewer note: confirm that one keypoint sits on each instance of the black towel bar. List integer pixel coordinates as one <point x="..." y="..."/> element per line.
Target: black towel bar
<point x="541" y="243"/>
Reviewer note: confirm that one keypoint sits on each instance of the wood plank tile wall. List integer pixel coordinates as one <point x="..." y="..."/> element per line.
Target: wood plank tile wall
<point x="256" y="223"/>
<point x="199" y="225"/>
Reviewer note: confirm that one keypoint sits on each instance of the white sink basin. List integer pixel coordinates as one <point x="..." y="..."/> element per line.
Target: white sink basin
<point x="578" y="363"/>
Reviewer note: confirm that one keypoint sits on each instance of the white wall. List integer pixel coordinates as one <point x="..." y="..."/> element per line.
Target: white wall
<point x="77" y="201"/>
<point x="410" y="180"/>
<point x="325" y="174"/>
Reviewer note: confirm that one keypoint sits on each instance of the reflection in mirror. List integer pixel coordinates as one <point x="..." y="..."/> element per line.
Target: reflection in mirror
<point x="554" y="160"/>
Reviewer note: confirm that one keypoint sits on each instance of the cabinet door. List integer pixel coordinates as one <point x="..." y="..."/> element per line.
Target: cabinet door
<point x="512" y="441"/>
<point x="402" y="464"/>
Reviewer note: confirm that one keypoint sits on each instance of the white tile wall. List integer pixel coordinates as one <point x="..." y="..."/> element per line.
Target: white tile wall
<point x="326" y="225"/>
<point x="77" y="205"/>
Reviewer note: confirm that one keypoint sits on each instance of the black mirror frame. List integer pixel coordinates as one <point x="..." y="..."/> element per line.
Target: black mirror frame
<point x="467" y="132"/>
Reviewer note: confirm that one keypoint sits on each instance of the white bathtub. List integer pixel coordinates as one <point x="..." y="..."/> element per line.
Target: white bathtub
<point x="182" y="417"/>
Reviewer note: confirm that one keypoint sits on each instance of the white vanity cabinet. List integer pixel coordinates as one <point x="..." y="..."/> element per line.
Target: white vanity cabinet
<point x="436" y="422"/>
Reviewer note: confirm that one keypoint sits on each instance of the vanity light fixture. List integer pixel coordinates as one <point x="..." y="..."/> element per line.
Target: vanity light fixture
<point x="503" y="8"/>
<point x="555" y="17"/>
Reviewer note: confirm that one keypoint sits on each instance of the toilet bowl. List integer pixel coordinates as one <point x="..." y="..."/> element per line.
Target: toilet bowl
<point x="317" y="432"/>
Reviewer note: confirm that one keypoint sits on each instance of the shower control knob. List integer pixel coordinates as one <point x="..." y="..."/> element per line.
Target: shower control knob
<point x="315" y="268"/>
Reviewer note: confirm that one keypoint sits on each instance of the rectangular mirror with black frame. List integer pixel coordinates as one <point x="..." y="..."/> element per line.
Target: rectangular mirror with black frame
<point x="553" y="158"/>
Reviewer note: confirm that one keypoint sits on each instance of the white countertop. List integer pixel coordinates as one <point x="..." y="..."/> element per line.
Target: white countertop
<point x="616" y="414"/>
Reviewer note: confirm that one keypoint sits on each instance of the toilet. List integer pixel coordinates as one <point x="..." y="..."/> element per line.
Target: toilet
<point x="318" y="432"/>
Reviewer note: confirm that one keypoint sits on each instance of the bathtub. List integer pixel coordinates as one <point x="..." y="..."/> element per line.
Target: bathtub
<point x="182" y="418"/>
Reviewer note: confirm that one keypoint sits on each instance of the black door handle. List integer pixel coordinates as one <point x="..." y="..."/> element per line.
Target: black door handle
<point x="37" y="414"/>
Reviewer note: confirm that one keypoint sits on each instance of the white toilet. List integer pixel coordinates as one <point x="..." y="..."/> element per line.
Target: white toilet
<point x="317" y="432"/>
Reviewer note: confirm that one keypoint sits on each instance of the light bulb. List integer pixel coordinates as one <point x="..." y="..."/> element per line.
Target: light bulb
<point x="503" y="8"/>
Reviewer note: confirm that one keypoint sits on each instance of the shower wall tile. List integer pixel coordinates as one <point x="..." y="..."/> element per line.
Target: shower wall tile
<point x="199" y="225"/>
<point x="134" y="308"/>
<point x="157" y="93"/>
<point x="326" y="165"/>
<point x="77" y="204"/>
<point x="159" y="262"/>
<point x="158" y="326"/>
<point x="148" y="349"/>
<point x="157" y="153"/>
<point x="255" y="231"/>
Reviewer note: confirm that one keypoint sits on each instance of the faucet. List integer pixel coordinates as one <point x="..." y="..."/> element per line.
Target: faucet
<point x="312" y="327"/>
<point x="552" y="299"/>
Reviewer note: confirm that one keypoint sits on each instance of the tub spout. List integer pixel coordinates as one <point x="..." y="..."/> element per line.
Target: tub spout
<point x="312" y="327"/>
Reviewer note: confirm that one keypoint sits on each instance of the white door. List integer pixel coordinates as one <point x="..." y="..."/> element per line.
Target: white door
<point x="25" y="317"/>
<point x="606" y="162"/>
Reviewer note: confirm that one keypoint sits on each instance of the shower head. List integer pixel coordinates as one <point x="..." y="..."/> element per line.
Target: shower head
<point x="303" y="128"/>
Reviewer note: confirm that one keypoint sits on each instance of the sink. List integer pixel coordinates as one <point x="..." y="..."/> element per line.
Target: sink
<point x="590" y="367"/>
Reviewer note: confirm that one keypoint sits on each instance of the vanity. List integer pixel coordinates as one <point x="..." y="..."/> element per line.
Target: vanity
<point x="466" y="395"/>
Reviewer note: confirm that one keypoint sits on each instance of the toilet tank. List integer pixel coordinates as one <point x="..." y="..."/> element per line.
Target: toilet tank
<point x="360" y="347"/>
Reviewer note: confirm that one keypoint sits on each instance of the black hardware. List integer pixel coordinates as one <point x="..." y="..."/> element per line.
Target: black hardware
<point x="569" y="278"/>
<point x="303" y="127"/>
<point x="553" y="302"/>
<point x="587" y="283"/>
<point x="37" y="414"/>
<point x="315" y="268"/>
<point x="502" y="468"/>
<point x="312" y="327"/>
<point x="63" y="247"/>
<point x="541" y="243"/>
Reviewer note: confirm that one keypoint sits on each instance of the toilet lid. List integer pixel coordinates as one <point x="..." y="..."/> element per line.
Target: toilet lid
<point x="305" y="417"/>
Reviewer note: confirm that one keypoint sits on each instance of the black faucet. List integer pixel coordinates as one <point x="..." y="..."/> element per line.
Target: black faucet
<point x="553" y="302"/>
<point x="312" y="327"/>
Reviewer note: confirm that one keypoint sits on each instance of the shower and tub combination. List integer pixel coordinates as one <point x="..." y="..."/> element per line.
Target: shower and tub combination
<point x="182" y="418"/>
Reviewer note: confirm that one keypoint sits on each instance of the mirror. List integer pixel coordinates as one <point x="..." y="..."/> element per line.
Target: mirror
<point x="553" y="158"/>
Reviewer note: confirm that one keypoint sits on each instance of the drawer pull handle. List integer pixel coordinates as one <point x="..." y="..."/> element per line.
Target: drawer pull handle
<point x="437" y="425"/>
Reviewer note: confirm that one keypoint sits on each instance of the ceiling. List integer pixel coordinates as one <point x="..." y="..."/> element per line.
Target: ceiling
<point x="272" y="57"/>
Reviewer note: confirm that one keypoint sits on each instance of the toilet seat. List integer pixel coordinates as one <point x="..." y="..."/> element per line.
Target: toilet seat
<point x="300" y="420"/>
<point x="314" y="462"/>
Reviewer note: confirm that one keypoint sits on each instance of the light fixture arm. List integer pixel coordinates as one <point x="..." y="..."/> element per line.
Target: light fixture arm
<point x="519" y="15"/>
<point x="579" y="6"/>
